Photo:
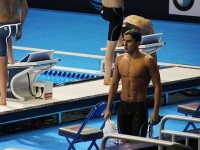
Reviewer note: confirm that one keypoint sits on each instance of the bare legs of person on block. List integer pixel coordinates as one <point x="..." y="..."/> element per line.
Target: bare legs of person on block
<point x="112" y="11"/>
<point x="4" y="78"/>
<point x="10" y="52"/>
<point x="111" y="45"/>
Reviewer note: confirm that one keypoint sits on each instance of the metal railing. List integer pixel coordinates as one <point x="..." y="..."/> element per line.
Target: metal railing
<point x="175" y="134"/>
<point x="135" y="139"/>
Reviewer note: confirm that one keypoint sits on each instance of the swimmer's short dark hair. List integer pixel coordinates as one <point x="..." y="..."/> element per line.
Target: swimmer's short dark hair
<point x="135" y="34"/>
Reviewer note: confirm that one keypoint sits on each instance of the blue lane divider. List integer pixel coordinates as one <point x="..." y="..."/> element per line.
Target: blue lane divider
<point x="65" y="74"/>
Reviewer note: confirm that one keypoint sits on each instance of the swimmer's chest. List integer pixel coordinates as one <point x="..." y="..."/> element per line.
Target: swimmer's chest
<point x="135" y="69"/>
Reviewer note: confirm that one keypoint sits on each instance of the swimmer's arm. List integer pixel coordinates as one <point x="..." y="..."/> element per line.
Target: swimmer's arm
<point x="112" y="90"/>
<point x="155" y="76"/>
<point x="24" y="12"/>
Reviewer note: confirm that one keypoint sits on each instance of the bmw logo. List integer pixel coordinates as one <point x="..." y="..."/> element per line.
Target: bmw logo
<point x="183" y="5"/>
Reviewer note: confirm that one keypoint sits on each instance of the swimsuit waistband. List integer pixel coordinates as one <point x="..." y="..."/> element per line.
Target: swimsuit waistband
<point x="125" y="102"/>
<point x="10" y="23"/>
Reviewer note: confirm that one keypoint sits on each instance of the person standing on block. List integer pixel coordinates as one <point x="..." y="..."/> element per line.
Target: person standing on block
<point x="11" y="24"/>
<point x="112" y="11"/>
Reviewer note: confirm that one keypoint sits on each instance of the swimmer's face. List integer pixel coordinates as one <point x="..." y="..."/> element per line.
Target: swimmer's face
<point x="130" y="45"/>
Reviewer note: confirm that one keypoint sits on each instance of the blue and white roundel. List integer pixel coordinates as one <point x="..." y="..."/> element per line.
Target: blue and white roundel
<point x="183" y="5"/>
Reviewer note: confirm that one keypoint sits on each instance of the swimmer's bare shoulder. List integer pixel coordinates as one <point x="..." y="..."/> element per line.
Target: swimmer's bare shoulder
<point x="120" y="57"/>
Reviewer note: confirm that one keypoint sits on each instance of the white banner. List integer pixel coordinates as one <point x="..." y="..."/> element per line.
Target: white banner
<point x="184" y="7"/>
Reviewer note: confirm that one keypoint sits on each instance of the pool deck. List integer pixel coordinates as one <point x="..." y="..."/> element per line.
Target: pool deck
<point x="81" y="95"/>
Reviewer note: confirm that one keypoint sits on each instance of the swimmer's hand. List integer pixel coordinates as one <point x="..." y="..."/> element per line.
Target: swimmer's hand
<point x="18" y="35"/>
<point x="107" y="114"/>
<point x="11" y="62"/>
<point x="156" y="121"/>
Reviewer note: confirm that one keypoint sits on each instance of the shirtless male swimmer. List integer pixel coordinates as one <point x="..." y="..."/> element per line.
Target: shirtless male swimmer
<point x="135" y="69"/>
<point x="11" y="24"/>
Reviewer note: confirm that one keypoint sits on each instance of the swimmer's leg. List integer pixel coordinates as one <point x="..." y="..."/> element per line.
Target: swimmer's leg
<point x="10" y="52"/>
<point x="3" y="79"/>
<point x="111" y="45"/>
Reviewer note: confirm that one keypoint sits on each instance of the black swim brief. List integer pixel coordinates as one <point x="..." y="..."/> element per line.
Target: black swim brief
<point x="115" y="18"/>
<point x="132" y="118"/>
<point x="7" y="30"/>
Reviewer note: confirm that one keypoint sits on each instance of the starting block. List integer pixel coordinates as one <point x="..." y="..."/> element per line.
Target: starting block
<point x="22" y="80"/>
<point x="147" y="48"/>
<point x="151" y="48"/>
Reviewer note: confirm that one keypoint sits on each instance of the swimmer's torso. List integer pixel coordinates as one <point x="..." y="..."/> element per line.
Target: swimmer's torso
<point x="135" y="78"/>
<point x="113" y="3"/>
<point x="9" y="10"/>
